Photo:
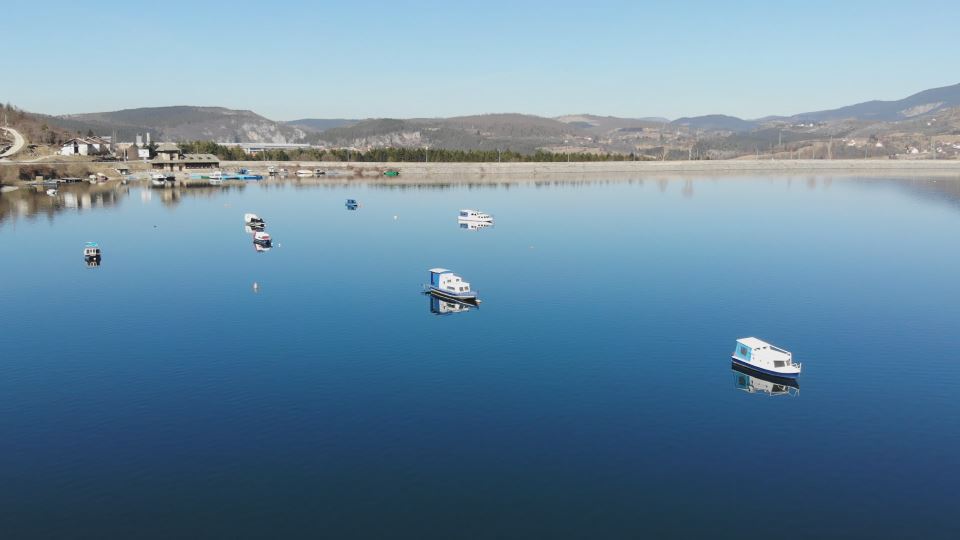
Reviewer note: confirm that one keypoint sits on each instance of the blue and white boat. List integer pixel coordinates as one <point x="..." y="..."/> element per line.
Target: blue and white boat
<point x="765" y="358"/>
<point x="91" y="251"/>
<point x="445" y="284"/>
<point x="352" y="204"/>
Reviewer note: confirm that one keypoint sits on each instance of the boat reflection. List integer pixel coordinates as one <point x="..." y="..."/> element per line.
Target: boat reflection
<point x="442" y="306"/>
<point x="754" y="382"/>
<point x="473" y="225"/>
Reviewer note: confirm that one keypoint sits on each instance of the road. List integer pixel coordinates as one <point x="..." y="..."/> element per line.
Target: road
<point x="18" y="142"/>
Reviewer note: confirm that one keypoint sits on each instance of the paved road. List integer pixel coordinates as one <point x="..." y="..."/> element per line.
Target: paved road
<point x="18" y="142"/>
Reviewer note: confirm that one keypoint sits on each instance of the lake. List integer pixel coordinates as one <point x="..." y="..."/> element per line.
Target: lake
<point x="591" y="395"/>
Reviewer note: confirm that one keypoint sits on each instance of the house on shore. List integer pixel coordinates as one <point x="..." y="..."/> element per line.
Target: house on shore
<point x="86" y="146"/>
<point x="170" y="158"/>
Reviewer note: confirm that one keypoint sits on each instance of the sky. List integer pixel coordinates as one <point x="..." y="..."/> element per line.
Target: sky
<point x="369" y="59"/>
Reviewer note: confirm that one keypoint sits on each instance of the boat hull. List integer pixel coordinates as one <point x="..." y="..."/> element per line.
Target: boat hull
<point x="467" y="297"/>
<point x="776" y="379"/>
<point x="770" y="372"/>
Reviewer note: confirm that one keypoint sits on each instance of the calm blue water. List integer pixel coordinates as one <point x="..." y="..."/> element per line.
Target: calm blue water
<point x="591" y="396"/>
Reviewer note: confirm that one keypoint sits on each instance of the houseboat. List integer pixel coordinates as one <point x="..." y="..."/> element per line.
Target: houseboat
<point x="261" y="238"/>
<point x="754" y="382"/>
<point x="446" y="284"/>
<point x="254" y="221"/>
<point x="91" y="251"/>
<point x="474" y="215"/>
<point x="765" y="358"/>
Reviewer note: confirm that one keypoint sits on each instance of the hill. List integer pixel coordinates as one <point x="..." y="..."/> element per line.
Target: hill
<point x="716" y="122"/>
<point x="182" y="123"/>
<point x="918" y="104"/>
<point x="319" y="125"/>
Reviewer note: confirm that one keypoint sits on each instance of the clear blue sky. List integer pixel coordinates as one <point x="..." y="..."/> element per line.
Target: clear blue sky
<point x="363" y="59"/>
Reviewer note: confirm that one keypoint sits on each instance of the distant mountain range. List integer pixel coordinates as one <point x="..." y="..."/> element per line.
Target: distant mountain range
<point x="520" y="132"/>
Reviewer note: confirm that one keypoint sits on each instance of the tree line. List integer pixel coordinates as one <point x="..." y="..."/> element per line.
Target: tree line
<point x="395" y="154"/>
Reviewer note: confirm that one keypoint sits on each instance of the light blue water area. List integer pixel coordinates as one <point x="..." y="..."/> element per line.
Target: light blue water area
<point x="590" y="396"/>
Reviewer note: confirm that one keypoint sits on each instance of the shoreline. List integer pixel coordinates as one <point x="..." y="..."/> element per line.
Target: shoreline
<point x="339" y="171"/>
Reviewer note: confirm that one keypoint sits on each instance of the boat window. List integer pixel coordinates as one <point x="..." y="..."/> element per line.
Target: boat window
<point x="743" y="351"/>
<point x="779" y="363"/>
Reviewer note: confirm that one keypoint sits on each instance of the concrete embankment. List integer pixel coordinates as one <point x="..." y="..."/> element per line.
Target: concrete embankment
<point x="10" y="171"/>
<point x="624" y="167"/>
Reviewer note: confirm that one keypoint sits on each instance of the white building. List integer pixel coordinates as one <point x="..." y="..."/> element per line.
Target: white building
<point x="85" y="146"/>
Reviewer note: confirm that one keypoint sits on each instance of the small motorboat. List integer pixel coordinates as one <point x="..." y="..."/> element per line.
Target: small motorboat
<point x="352" y="204"/>
<point x="253" y="221"/>
<point x="52" y="192"/>
<point x="261" y="238"/>
<point x="271" y="170"/>
<point x="446" y="284"/>
<point x="319" y="172"/>
<point x="304" y="172"/>
<point x="765" y="358"/>
<point x="161" y="180"/>
<point x="474" y="215"/>
<point x="391" y="172"/>
<point x="261" y="249"/>
<point x="91" y="251"/>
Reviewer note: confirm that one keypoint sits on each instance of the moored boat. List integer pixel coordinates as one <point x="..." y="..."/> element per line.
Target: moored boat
<point x="391" y="172"/>
<point x="254" y="221"/>
<point x="304" y="172"/>
<point x="446" y="284"/>
<point x="352" y="204"/>
<point x="474" y="215"/>
<point x="91" y="251"/>
<point x="763" y="357"/>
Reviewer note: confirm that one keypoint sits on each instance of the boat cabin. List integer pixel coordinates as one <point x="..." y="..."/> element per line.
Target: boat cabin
<point x="473" y="215"/>
<point x="763" y="356"/>
<point x="91" y="251"/>
<point x="447" y="281"/>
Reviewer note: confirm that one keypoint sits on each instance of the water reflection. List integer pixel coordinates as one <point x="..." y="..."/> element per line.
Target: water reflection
<point x="754" y="382"/>
<point x="473" y="225"/>
<point x="439" y="306"/>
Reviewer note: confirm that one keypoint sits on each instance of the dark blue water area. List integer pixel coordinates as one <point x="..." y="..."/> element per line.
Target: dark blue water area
<point x="591" y="395"/>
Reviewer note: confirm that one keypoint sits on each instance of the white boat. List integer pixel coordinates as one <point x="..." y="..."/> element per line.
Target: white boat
<point x="304" y="172"/>
<point x="160" y="179"/>
<point x="753" y="382"/>
<point x="260" y="238"/>
<point x="271" y="170"/>
<point x="446" y="284"/>
<point x="91" y="251"/>
<point x="253" y="221"/>
<point x="474" y="215"/>
<point x="763" y="357"/>
<point x="52" y="192"/>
